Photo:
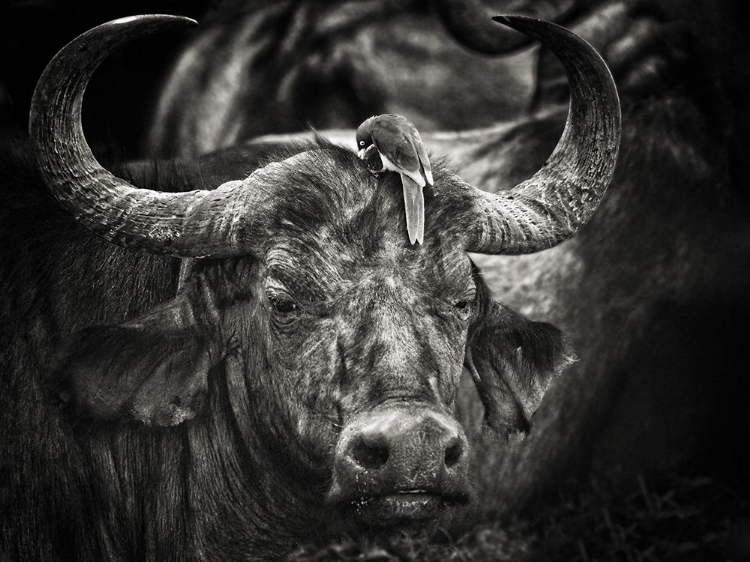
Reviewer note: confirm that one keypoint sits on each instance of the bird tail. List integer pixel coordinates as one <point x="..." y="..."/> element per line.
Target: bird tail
<point x="414" y="205"/>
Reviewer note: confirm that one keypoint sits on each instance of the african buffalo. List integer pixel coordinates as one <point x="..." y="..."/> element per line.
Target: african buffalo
<point x="653" y="294"/>
<point x="301" y="374"/>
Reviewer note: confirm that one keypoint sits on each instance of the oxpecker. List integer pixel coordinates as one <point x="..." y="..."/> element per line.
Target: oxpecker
<point x="400" y="148"/>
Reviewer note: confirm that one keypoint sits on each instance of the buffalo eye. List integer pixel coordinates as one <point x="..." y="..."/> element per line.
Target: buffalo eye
<point x="462" y="308"/>
<point x="285" y="308"/>
<point x="456" y="309"/>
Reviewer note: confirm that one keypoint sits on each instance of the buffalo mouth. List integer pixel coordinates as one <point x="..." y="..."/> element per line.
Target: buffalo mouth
<point x="403" y="507"/>
<point x="394" y="466"/>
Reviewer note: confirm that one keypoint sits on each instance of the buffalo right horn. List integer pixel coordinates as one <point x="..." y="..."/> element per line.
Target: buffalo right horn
<point x="192" y="224"/>
<point x="561" y="197"/>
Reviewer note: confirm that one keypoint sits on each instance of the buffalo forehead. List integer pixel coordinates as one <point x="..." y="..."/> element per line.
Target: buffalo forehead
<point x="319" y="270"/>
<point x="325" y="185"/>
<point x="332" y="226"/>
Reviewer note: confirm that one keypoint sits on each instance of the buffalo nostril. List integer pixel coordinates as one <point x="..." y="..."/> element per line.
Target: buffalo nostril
<point x="369" y="456"/>
<point x="453" y="453"/>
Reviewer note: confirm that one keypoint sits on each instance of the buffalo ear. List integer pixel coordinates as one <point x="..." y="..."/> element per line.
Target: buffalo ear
<point x="153" y="369"/>
<point x="512" y="361"/>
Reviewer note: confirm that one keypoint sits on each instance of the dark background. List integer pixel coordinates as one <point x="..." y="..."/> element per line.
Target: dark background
<point x="123" y="88"/>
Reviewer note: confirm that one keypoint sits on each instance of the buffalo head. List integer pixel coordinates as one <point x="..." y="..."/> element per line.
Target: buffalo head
<point x="309" y="330"/>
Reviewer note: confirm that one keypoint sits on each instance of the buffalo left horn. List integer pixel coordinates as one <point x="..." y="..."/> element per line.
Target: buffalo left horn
<point x="553" y="204"/>
<point x="190" y="224"/>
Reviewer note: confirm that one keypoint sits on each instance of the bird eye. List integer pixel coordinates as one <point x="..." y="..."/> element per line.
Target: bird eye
<point x="361" y="143"/>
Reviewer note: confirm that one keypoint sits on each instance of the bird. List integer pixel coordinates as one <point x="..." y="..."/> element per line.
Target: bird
<point x="396" y="140"/>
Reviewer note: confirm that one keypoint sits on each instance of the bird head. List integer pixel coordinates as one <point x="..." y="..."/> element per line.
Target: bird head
<point x="364" y="136"/>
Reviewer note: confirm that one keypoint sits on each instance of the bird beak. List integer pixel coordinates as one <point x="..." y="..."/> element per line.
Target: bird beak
<point x="361" y="153"/>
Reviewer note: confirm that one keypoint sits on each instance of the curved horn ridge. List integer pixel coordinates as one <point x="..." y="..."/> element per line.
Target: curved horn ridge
<point x="190" y="224"/>
<point x="561" y="197"/>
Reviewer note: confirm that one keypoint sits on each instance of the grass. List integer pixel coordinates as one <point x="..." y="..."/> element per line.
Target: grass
<point x="675" y="518"/>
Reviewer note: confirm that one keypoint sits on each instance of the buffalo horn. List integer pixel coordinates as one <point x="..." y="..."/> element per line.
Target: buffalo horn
<point x="550" y="206"/>
<point x="190" y="224"/>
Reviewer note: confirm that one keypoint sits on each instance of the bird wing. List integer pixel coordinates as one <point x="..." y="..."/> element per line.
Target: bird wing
<point x="394" y="141"/>
<point x="416" y="175"/>
<point x="422" y="155"/>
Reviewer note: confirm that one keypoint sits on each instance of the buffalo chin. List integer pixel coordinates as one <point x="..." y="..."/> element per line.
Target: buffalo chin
<point x="406" y="512"/>
<point x="404" y="508"/>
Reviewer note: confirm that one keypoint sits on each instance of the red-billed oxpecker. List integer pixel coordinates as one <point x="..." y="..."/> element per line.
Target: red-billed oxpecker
<point x="400" y="148"/>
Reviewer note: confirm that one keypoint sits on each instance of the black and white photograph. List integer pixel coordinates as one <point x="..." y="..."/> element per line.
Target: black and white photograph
<point x="374" y="281"/>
